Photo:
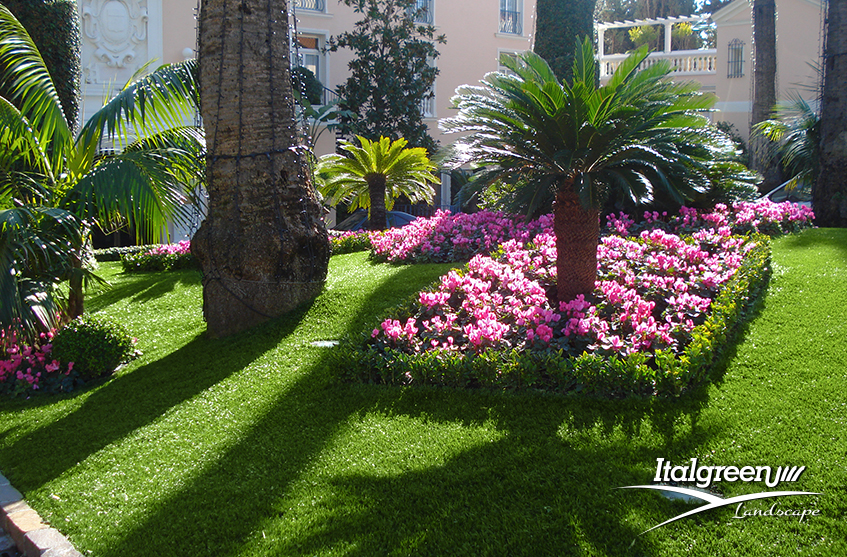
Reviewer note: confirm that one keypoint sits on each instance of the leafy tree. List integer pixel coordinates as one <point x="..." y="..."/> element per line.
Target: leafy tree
<point x="54" y="186"/>
<point x="829" y="195"/>
<point x="392" y="73"/>
<point x="374" y="175"/>
<point x="639" y="134"/>
<point x="558" y="25"/>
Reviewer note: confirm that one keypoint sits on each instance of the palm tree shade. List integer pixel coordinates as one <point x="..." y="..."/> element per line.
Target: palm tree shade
<point x="579" y="143"/>
<point x="54" y="186"/>
<point x="374" y="174"/>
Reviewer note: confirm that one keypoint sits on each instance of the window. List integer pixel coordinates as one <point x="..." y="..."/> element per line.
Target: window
<point x="311" y="5"/>
<point x="511" y="18"/>
<point x="735" y="59"/>
<point x="307" y="54"/>
<point x="507" y="54"/>
<point x="421" y="11"/>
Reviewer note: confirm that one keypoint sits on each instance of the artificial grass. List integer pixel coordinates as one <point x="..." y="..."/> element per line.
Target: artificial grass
<point x="249" y="446"/>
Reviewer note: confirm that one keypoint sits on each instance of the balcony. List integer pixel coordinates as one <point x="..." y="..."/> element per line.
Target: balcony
<point x="421" y="12"/>
<point x="310" y="5"/>
<point x="511" y="22"/>
<point x="683" y="62"/>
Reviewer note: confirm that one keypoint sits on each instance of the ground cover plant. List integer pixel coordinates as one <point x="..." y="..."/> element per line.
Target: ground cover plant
<point x="248" y="447"/>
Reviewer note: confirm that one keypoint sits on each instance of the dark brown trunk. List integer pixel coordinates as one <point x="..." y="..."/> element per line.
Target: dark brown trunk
<point x="577" y="234"/>
<point x="376" y="194"/>
<point x="829" y="197"/>
<point x="764" y="87"/>
<point x="263" y="247"/>
<point x="76" y="292"/>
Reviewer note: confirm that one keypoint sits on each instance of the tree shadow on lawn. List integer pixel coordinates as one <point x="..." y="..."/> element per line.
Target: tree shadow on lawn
<point x="133" y="400"/>
<point x="144" y="287"/>
<point x="835" y="238"/>
<point x="544" y="487"/>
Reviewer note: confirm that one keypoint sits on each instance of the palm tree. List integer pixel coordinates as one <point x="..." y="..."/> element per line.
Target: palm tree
<point x="54" y="187"/>
<point x="829" y="195"/>
<point x="764" y="85"/>
<point x="374" y="175"/>
<point x="263" y="246"/>
<point x="579" y="143"/>
<point x="794" y="133"/>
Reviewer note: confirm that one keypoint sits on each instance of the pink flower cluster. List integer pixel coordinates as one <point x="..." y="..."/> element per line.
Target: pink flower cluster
<point x="449" y="237"/>
<point x="180" y="248"/>
<point x="650" y="293"/>
<point x="764" y="217"/>
<point x="25" y="366"/>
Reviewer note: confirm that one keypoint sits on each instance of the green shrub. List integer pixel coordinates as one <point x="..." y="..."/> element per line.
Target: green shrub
<point x="145" y="262"/>
<point x="114" y="254"/>
<point x="94" y="344"/>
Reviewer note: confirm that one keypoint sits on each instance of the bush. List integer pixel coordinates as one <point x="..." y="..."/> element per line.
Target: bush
<point x="28" y="366"/>
<point x="94" y="344"/>
<point x="114" y="254"/>
<point x="349" y="242"/>
<point x="303" y="80"/>
<point x="160" y="258"/>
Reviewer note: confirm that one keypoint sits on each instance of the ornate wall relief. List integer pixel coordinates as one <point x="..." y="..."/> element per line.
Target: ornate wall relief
<point x="114" y="38"/>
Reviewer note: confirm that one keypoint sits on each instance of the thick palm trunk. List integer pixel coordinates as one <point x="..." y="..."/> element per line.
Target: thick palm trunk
<point x="829" y="197"/>
<point x="263" y="247"/>
<point x="577" y="234"/>
<point x="764" y="86"/>
<point x="376" y="194"/>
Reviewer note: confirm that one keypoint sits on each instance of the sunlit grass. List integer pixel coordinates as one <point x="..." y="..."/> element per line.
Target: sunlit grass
<point x="248" y="446"/>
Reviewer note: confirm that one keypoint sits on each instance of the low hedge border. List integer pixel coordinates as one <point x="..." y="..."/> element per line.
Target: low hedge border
<point x="149" y="262"/>
<point x="114" y="254"/>
<point x="639" y="374"/>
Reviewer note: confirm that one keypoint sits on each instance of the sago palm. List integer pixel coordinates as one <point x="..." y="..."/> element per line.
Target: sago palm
<point x="375" y="174"/>
<point x="579" y="143"/>
<point x="54" y="186"/>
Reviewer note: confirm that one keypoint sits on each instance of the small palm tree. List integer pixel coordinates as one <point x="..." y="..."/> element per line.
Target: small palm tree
<point x="54" y="187"/>
<point x="794" y="132"/>
<point x="374" y="175"/>
<point x="579" y="143"/>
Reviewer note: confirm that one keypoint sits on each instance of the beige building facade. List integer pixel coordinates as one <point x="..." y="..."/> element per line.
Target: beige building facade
<point x="120" y="36"/>
<point x="727" y="69"/>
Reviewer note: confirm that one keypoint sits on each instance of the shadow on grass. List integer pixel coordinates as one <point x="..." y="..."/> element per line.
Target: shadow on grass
<point x="831" y="238"/>
<point x="134" y="400"/>
<point x="546" y="486"/>
<point x="143" y="287"/>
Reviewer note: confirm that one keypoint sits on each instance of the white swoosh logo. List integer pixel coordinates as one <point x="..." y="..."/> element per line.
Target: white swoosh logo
<point x="713" y="500"/>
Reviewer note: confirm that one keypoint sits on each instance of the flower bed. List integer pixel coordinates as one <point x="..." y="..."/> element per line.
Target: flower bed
<point x="28" y="366"/>
<point x="663" y="306"/>
<point x="160" y="258"/>
<point x="449" y="237"/>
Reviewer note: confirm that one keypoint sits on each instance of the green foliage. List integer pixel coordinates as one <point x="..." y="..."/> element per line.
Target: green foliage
<point x="391" y="73"/>
<point x="54" y="27"/>
<point x="401" y="170"/>
<point x="638" y="136"/>
<point x="94" y="344"/>
<point x="146" y="262"/>
<point x="559" y="24"/>
<point x="794" y="135"/>
<point x="114" y="254"/>
<point x="54" y="186"/>
<point x="304" y="82"/>
<point x="667" y="374"/>
<point x="347" y="242"/>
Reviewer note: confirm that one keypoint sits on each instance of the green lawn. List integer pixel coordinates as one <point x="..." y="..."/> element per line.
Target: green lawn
<point x="248" y="446"/>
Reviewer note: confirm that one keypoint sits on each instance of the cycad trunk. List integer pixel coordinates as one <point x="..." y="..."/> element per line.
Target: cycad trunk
<point x="829" y="197"/>
<point x="263" y="247"/>
<point x="577" y="235"/>
<point x="376" y="195"/>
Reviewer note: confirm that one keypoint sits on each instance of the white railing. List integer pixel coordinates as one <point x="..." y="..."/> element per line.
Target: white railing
<point x="683" y="62"/>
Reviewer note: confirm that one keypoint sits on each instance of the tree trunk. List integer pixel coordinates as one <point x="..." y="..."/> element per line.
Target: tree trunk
<point x="376" y="194"/>
<point x="577" y="235"/>
<point x="76" y="290"/>
<point x="829" y="196"/>
<point x="764" y="87"/>
<point x="263" y="247"/>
